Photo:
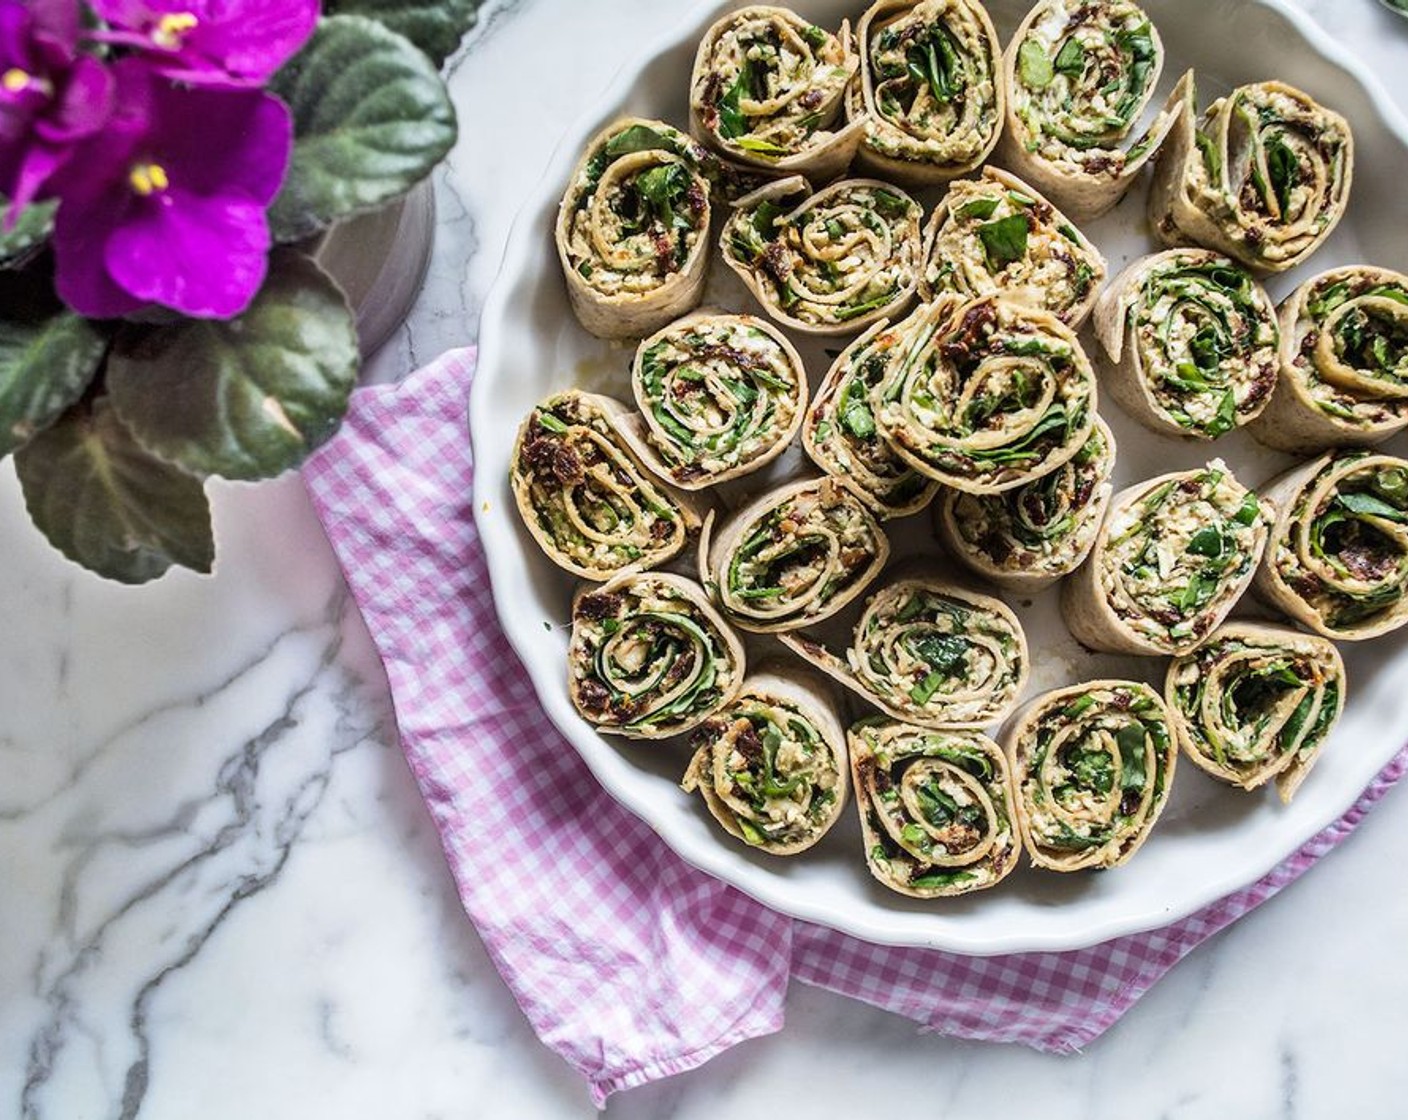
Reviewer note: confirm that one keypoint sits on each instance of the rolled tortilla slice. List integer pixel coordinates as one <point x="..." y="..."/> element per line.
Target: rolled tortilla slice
<point x="997" y="236"/>
<point x="1263" y="176"/>
<point x="792" y="556"/>
<point x="932" y="653"/>
<point x="586" y="497"/>
<point x="771" y="766"/>
<point x="1192" y="343"/>
<point x="1026" y="539"/>
<point x="827" y="263"/>
<point x="986" y="396"/>
<point x="1337" y="561"/>
<point x="936" y="809"/>
<point x="1171" y="560"/>
<point x="721" y="395"/>
<point x="632" y="228"/>
<point x="1344" y="362"/>
<point x="1078" y="79"/>
<point x="1256" y="702"/>
<point x="649" y="657"/>
<point x="1092" y="766"/>
<point x="768" y="89"/>
<point x="840" y="436"/>
<point x="929" y="96"/>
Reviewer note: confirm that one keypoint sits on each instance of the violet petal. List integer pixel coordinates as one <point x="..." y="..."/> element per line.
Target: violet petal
<point x="205" y="257"/>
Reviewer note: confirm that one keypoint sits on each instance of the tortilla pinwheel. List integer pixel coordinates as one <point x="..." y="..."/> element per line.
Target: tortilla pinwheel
<point x="1256" y="703"/>
<point x="1344" y="362"/>
<point x="930" y="652"/>
<point x="1337" y="561"/>
<point x="585" y="495"/>
<point x="1192" y="343"/>
<point x="771" y="766"/>
<point x="1173" y="557"/>
<point x="936" y="809"/>
<point x="1263" y="176"/>
<point x="1092" y="766"/>
<point x="649" y="657"/>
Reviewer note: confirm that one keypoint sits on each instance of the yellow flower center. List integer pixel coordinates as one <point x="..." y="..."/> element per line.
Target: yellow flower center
<point x="172" y="28"/>
<point x="148" y="178"/>
<point x="14" y="80"/>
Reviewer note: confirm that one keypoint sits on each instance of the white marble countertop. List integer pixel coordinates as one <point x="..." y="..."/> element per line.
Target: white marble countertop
<point x="220" y="893"/>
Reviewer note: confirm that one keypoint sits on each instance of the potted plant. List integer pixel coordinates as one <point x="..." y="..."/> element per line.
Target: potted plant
<point x="166" y="170"/>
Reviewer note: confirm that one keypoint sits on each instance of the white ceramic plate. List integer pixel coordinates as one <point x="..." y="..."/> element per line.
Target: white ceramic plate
<point x="1211" y="840"/>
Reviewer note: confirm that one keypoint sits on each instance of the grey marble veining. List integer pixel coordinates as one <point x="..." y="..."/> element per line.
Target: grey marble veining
<point x="220" y="893"/>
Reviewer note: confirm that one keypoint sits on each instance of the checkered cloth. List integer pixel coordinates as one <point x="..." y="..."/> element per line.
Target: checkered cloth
<point x="628" y="962"/>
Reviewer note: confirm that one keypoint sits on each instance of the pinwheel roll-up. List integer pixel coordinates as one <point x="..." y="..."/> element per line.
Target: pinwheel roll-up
<point x="840" y="436"/>
<point x="935" y="807"/>
<point x="771" y="766"/>
<point x="792" y="556"/>
<point x="633" y="226"/>
<point x="930" y="653"/>
<point x="1344" y="362"/>
<point x="1078" y="78"/>
<point x="1172" y="558"/>
<point x="767" y="90"/>
<point x="1338" y="557"/>
<point x="1263" y="176"/>
<point x="826" y="263"/>
<point x="1028" y="538"/>
<point x="996" y="235"/>
<point x="987" y="395"/>
<point x="649" y="657"/>
<point x="586" y="497"/>
<point x="1092" y="766"/>
<point x="721" y="395"/>
<point x="930" y="90"/>
<point x="1192" y="342"/>
<point x="1256" y="702"/>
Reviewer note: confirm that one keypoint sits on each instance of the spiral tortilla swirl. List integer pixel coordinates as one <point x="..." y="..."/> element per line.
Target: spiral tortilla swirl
<point x="1255" y="703"/>
<point x="1338" y="557"/>
<point x="1051" y="265"/>
<point x="1263" y="176"/>
<point x="840" y="436"/>
<point x="930" y="95"/>
<point x="1344" y="362"/>
<point x="935" y="808"/>
<point x="932" y="653"/>
<point x="771" y="767"/>
<point x="1192" y="341"/>
<point x="1092" y="765"/>
<point x="586" y="497"/>
<point x="767" y="89"/>
<point x="1028" y="538"/>
<point x="986" y="396"/>
<point x="632" y="229"/>
<point x="827" y="263"/>
<point x="793" y="556"/>
<point x="649" y="657"/>
<point x="721" y="396"/>
<point x="1078" y="79"/>
<point x="1173" y="557"/>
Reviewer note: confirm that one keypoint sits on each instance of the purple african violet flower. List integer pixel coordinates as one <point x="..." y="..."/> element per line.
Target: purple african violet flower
<point x="167" y="205"/>
<point x="212" y="41"/>
<point x="51" y="97"/>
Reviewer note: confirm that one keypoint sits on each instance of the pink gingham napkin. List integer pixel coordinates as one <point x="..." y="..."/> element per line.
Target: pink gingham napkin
<point x="629" y="963"/>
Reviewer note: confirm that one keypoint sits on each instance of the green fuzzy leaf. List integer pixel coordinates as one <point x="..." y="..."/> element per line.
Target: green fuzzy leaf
<point x="247" y="398"/>
<point x="371" y="119"/>
<point x="48" y="356"/>
<point x="435" y="26"/>
<point x="108" y="504"/>
<point x="32" y="229"/>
